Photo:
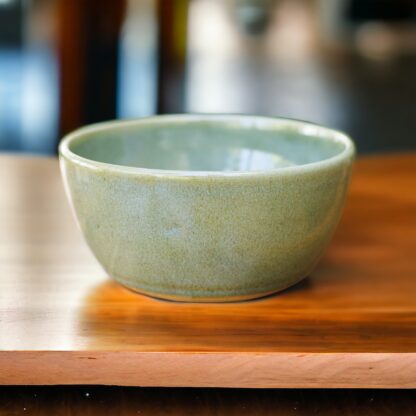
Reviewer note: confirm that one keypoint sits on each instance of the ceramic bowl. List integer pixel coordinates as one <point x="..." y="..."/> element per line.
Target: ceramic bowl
<point x="207" y="207"/>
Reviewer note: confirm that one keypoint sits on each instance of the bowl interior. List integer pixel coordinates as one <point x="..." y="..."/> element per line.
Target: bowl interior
<point x="192" y="144"/>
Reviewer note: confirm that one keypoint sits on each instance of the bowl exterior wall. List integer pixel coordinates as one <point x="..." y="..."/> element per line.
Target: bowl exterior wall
<point x="207" y="237"/>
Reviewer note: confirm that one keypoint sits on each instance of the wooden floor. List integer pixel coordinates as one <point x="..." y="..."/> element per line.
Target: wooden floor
<point x="352" y="323"/>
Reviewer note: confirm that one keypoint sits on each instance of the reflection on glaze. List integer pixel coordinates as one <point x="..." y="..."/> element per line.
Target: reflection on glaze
<point x="249" y="159"/>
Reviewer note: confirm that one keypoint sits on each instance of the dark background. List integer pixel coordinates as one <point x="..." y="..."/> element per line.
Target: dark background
<point x="349" y="64"/>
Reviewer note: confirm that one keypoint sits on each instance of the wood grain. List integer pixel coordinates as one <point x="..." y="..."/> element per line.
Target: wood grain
<point x="352" y="323"/>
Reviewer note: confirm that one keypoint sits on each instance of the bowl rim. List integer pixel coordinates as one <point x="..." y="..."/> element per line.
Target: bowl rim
<point x="245" y="120"/>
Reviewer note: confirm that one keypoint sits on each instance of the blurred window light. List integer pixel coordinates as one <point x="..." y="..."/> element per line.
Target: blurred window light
<point x="137" y="74"/>
<point x="6" y="2"/>
<point x="275" y="73"/>
<point x="28" y="79"/>
<point x="211" y="29"/>
<point x="213" y="51"/>
<point x="39" y="102"/>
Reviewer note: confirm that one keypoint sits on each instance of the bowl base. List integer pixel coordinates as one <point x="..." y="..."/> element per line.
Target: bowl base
<point x="206" y="299"/>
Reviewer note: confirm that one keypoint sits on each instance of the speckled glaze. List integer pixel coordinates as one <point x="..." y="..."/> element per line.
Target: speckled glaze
<point x="207" y="208"/>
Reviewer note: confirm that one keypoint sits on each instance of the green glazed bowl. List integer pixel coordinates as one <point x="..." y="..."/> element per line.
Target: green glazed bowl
<point x="207" y="207"/>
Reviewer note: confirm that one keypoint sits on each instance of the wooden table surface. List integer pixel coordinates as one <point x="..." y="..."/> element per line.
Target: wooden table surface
<point x="352" y="323"/>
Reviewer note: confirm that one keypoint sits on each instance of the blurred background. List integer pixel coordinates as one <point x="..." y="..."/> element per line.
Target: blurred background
<point x="348" y="64"/>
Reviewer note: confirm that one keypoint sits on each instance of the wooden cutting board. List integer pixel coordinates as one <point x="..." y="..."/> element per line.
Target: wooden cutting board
<point x="352" y="323"/>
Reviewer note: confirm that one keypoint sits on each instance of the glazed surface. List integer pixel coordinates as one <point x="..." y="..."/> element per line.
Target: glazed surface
<point x="208" y="237"/>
